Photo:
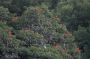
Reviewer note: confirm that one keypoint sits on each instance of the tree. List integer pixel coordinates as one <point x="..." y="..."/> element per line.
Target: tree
<point x="18" y="6"/>
<point x="82" y="37"/>
<point x="4" y="14"/>
<point x="38" y="31"/>
<point x="30" y="38"/>
<point x="5" y="3"/>
<point x="74" y="13"/>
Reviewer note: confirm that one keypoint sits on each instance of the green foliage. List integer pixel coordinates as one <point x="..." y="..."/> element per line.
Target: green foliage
<point x="82" y="38"/>
<point x="30" y="38"/>
<point x="38" y="29"/>
<point x="4" y="14"/>
<point x="5" y="3"/>
<point x="40" y="53"/>
<point x="74" y="13"/>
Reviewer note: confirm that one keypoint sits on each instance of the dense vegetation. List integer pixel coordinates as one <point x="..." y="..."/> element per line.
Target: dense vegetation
<point x="44" y="29"/>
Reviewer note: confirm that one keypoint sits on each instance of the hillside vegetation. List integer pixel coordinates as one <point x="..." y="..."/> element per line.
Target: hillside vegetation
<point x="44" y="29"/>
